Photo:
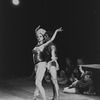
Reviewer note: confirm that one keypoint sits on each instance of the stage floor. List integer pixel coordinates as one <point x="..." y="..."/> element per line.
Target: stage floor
<point x="23" y="88"/>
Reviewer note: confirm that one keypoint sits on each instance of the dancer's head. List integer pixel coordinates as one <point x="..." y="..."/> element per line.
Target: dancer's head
<point x="40" y="34"/>
<point x="62" y="73"/>
<point x="47" y="36"/>
<point x="80" y="61"/>
<point x="68" y="61"/>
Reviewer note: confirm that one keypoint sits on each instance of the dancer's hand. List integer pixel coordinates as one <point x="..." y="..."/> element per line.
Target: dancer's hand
<point x="59" y="29"/>
<point x="37" y="28"/>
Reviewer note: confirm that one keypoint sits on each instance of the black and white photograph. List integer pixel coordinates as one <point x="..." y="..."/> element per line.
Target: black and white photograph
<point x="49" y="49"/>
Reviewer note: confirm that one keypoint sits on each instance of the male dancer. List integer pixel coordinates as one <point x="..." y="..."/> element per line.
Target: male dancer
<point x="52" y="65"/>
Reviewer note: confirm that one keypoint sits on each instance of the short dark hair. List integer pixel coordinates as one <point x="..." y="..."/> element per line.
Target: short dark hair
<point x="49" y="33"/>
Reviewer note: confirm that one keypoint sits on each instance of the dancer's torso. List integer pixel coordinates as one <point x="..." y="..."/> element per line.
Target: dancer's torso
<point x="42" y="56"/>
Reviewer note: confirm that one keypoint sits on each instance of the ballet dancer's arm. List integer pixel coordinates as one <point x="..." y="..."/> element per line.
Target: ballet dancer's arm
<point x="33" y="58"/>
<point x="53" y="37"/>
<point x="37" y="28"/>
<point x="53" y="56"/>
<point x="33" y="52"/>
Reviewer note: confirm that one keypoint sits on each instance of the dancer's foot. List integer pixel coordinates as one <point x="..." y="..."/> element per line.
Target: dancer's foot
<point x="34" y="98"/>
<point x="54" y="99"/>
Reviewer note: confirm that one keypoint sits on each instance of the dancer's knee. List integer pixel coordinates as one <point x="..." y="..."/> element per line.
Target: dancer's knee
<point x="38" y="83"/>
<point x="54" y="81"/>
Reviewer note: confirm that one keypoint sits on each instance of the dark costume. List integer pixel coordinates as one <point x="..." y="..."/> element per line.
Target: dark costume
<point x="77" y="73"/>
<point x="44" y="56"/>
<point x="38" y="55"/>
<point x="84" y="85"/>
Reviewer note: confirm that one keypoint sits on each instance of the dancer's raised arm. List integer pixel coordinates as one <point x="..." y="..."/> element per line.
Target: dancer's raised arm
<point x="53" y="37"/>
<point x="81" y="70"/>
<point x="37" y="28"/>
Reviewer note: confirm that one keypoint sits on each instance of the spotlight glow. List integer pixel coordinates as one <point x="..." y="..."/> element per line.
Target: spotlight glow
<point x="15" y="2"/>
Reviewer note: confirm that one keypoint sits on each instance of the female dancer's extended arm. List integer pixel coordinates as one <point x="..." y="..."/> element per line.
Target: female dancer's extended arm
<point x="53" y="37"/>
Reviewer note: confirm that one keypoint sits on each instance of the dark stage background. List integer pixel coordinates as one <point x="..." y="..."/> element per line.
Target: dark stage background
<point x="80" y="20"/>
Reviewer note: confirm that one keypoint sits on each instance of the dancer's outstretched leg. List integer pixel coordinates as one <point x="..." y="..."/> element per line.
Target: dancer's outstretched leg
<point x="39" y="76"/>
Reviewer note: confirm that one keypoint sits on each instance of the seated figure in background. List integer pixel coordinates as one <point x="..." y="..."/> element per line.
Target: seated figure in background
<point x="62" y="78"/>
<point x="77" y="72"/>
<point x="84" y="85"/>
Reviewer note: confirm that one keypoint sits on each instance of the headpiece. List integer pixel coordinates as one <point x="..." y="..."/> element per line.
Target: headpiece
<point x="40" y="31"/>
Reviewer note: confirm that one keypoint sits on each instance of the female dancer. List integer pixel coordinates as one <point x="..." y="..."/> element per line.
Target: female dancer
<point x="39" y="59"/>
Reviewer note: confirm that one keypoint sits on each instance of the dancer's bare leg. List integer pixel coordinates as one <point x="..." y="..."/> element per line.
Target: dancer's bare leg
<point x="53" y="72"/>
<point x="39" y="76"/>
